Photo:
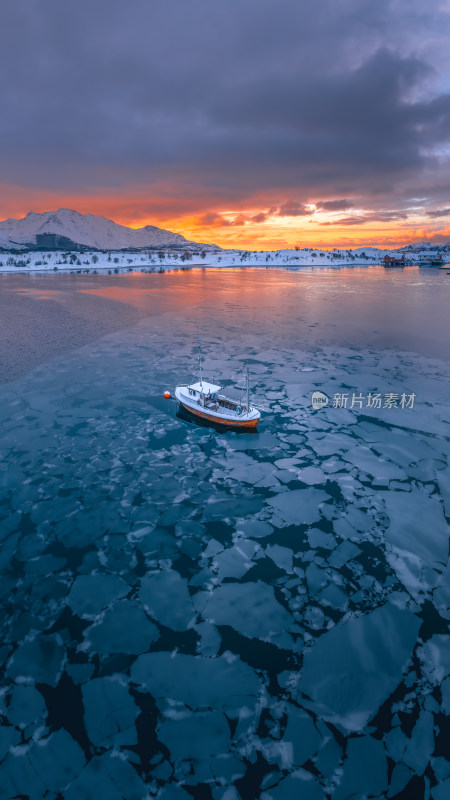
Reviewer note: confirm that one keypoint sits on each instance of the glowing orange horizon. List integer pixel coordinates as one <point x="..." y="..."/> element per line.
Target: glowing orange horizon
<point x="229" y="228"/>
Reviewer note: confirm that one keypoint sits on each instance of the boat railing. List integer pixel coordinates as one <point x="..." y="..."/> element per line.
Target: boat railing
<point x="233" y="402"/>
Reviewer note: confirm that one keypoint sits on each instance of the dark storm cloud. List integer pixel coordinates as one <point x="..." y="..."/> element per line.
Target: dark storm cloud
<point x="245" y="99"/>
<point x="380" y="216"/>
<point x="217" y="221"/>
<point x="440" y="212"/>
<point x="293" y="209"/>
<point x="334" y="205"/>
<point x="259" y="218"/>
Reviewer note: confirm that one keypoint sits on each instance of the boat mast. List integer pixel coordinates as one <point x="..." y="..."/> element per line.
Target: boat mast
<point x="248" y="407"/>
<point x="199" y="357"/>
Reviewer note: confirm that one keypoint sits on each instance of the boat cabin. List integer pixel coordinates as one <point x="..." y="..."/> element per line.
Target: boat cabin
<point x="207" y="395"/>
<point x="204" y="388"/>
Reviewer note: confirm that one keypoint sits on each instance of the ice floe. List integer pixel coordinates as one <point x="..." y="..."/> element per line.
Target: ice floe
<point x="369" y="655"/>
<point x="166" y="598"/>
<point x="298" y="507"/>
<point x="250" y="608"/>
<point x="109" y="711"/>
<point x="124" y="628"/>
<point x="220" y="683"/>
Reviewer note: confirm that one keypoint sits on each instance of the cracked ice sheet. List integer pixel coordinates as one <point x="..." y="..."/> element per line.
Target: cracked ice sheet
<point x="368" y="655"/>
<point x="124" y="628"/>
<point x="420" y="550"/>
<point x="109" y="711"/>
<point x="250" y="608"/>
<point x="91" y="593"/>
<point x="298" y="507"/>
<point x="198" y="735"/>
<point x="300" y="784"/>
<point x="166" y="598"/>
<point x="224" y="683"/>
<point x="240" y="467"/>
<point x="235" y="561"/>
<point x="45" y="767"/>
<point x="365" y="460"/>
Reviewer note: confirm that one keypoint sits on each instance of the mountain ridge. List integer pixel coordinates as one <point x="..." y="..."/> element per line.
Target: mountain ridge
<point x="61" y="228"/>
<point x="67" y="229"/>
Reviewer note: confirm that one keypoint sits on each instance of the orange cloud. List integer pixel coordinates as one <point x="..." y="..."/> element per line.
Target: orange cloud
<point x="262" y="225"/>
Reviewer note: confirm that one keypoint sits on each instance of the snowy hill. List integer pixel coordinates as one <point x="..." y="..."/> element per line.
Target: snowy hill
<point x="47" y="241"/>
<point x="63" y="227"/>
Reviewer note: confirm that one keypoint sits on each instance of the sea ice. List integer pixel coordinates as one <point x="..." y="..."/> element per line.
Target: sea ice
<point x="406" y="530"/>
<point x="441" y="791"/>
<point x="124" y="628"/>
<point x="401" y="775"/>
<point x="369" y="655"/>
<point x="19" y="779"/>
<point x="302" y="734"/>
<point x="318" y="538"/>
<point x="443" y="479"/>
<point x="343" y="553"/>
<point x="441" y="595"/>
<point x="445" y="690"/>
<point x="365" y="771"/>
<point x="26" y="705"/>
<point x="255" y="528"/>
<point x="9" y="737"/>
<point x="316" y="578"/>
<point x="198" y="682"/>
<point x="435" y="658"/>
<point x="334" y="597"/>
<point x="87" y="525"/>
<point x="328" y="756"/>
<point x="57" y="760"/>
<point x="281" y="556"/>
<point x="166" y="598"/>
<point x="250" y="608"/>
<point x="195" y="735"/>
<point x="91" y="593"/>
<point x="421" y="744"/>
<point x="235" y="561"/>
<point x="40" y="658"/>
<point x="311" y="475"/>
<point x="244" y="469"/>
<point x="80" y="673"/>
<point x="108" y="777"/>
<point x="300" y="784"/>
<point x="314" y="618"/>
<point x="109" y="712"/>
<point x="299" y="506"/>
<point x="365" y="460"/>
<point x="209" y="639"/>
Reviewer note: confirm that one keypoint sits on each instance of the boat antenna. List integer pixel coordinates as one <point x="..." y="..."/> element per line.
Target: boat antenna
<point x="199" y="356"/>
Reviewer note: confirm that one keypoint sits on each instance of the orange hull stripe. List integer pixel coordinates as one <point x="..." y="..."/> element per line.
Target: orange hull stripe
<point x="251" y="423"/>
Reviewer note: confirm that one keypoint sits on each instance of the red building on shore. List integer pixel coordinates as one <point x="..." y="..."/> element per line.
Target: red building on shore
<point x="393" y="261"/>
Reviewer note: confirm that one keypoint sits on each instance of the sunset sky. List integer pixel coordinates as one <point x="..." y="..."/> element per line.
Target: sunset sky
<point x="249" y="123"/>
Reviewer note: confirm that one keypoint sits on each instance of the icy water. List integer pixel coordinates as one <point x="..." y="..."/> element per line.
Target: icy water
<point x="217" y="615"/>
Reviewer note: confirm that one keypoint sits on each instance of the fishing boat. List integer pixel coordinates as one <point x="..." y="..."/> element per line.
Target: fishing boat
<point x="206" y="400"/>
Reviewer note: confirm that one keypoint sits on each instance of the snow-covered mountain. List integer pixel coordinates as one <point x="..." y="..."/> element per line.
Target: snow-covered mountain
<point x="60" y="228"/>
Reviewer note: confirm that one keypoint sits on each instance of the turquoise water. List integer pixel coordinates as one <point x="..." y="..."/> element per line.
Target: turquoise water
<point x="194" y="613"/>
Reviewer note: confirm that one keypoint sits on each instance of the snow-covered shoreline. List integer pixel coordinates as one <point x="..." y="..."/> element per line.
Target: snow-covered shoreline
<point x="118" y="261"/>
<point x="66" y="240"/>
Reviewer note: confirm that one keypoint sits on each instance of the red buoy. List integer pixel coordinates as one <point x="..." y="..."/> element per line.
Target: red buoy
<point x="167" y="395"/>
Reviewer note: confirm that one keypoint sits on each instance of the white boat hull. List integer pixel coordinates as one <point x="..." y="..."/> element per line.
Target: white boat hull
<point x="220" y="415"/>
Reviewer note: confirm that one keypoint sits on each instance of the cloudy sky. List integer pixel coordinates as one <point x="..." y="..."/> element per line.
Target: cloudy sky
<point x="256" y="123"/>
